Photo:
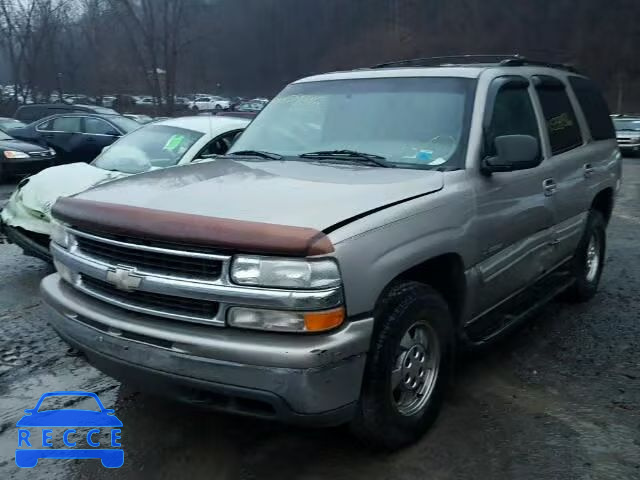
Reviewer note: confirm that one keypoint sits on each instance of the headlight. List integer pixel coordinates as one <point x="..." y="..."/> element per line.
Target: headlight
<point x="52" y="152"/>
<point x="285" y="272"/>
<point x="60" y="235"/>
<point x="15" y="154"/>
<point x="284" y="321"/>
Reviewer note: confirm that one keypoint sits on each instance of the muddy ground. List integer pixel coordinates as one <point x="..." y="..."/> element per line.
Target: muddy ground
<point x="560" y="399"/>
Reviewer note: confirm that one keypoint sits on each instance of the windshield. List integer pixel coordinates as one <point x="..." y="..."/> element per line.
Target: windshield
<point x="411" y="122"/>
<point x="125" y="124"/>
<point x="4" y="136"/>
<point x="627" y="125"/>
<point x="148" y="147"/>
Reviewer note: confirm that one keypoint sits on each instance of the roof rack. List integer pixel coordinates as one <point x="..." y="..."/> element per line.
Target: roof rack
<point x="512" y="60"/>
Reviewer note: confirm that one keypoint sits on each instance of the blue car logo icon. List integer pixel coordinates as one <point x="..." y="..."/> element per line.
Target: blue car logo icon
<point x="29" y="441"/>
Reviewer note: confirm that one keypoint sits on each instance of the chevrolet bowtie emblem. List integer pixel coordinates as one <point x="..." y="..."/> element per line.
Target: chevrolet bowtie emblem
<point x="124" y="278"/>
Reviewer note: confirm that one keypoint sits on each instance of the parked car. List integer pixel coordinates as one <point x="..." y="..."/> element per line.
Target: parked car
<point x="22" y="158"/>
<point x="628" y="134"/>
<point x="76" y="137"/>
<point x="31" y="113"/>
<point x="209" y="103"/>
<point x="363" y="228"/>
<point x="247" y="109"/>
<point x="167" y="143"/>
<point x="138" y="118"/>
<point x="7" y="124"/>
<point x="108" y="101"/>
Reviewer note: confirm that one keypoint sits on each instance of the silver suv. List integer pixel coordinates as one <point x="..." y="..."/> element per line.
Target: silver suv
<point x="363" y="228"/>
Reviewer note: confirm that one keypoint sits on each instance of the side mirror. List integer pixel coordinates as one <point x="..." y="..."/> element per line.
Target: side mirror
<point x="513" y="152"/>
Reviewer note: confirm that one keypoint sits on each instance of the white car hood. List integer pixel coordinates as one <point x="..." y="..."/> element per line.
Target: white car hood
<point x="30" y="205"/>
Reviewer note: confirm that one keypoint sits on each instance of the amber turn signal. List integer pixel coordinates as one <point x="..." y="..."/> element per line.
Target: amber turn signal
<point x="321" y="321"/>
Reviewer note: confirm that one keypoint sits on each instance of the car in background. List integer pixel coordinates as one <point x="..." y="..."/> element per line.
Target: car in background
<point x="209" y="103"/>
<point x="31" y="113"/>
<point x="138" y="118"/>
<point x="145" y="100"/>
<point x="628" y="133"/>
<point x="248" y="109"/>
<point x="22" y="158"/>
<point x="7" y="123"/>
<point x="177" y="141"/>
<point x="107" y="101"/>
<point x="76" y="137"/>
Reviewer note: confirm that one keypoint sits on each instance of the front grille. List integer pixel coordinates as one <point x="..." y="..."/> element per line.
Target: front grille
<point x="159" y="303"/>
<point x="153" y="262"/>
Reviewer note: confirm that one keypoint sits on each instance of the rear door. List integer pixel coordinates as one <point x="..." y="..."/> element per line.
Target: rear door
<point x="63" y="134"/>
<point x="575" y="162"/>
<point x="97" y="134"/>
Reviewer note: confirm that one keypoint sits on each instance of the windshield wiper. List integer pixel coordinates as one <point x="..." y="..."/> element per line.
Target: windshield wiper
<point x="351" y="155"/>
<point x="256" y="153"/>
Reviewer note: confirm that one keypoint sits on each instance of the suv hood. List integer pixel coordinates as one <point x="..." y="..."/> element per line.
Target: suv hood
<point x="302" y="194"/>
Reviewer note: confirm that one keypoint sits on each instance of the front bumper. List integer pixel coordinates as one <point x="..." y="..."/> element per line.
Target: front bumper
<point x="308" y="379"/>
<point x="27" y="166"/>
<point x="33" y="244"/>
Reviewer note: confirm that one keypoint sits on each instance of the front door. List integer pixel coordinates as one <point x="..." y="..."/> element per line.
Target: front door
<point x="514" y="218"/>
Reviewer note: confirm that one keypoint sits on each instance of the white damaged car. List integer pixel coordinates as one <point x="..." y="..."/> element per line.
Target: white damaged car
<point x="26" y="218"/>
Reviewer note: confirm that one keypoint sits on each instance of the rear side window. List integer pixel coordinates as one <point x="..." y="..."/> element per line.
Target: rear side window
<point x="594" y="107"/>
<point x="97" y="126"/>
<point x="561" y="121"/>
<point x="513" y="114"/>
<point x="66" y="124"/>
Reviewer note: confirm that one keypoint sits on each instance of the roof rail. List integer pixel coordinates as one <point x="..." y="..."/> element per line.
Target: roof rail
<point x="510" y="60"/>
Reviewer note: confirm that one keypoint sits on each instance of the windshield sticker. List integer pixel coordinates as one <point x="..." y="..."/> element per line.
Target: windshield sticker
<point x="174" y="142"/>
<point x="424" y="155"/>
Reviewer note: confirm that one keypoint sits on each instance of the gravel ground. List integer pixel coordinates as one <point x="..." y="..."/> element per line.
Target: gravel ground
<point x="560" y="399"/>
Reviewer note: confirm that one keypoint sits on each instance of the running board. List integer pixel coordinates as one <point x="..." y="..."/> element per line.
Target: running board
<point x="514" y="312"/>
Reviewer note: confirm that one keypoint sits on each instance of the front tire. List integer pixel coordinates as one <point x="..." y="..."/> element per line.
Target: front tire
<point x="588" y="261"/>
<point x="409" y="365"/>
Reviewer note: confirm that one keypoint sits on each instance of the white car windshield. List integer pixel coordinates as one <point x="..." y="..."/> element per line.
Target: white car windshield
<point x="148" y="147"/>
<point x="410" y="122"/>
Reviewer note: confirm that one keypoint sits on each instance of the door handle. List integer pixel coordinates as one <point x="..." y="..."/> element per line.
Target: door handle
<point x="549" y="187"/>
<point x="588" y="170"/>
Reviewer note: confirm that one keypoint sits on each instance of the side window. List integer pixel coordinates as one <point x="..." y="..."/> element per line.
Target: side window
<point x="97" y="126"/>
<point x="594" y="107"/>
<point x="513" y="114"/>
<point x="219" y="145"/>
<point x="45" y="126"/>
<point x="66" y="124"/>
<point x="561" y="121"/>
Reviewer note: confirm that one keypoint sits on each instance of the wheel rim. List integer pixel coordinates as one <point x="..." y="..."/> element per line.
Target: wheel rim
<point x="593" y="258"/>
<point x="415" y="370"/>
